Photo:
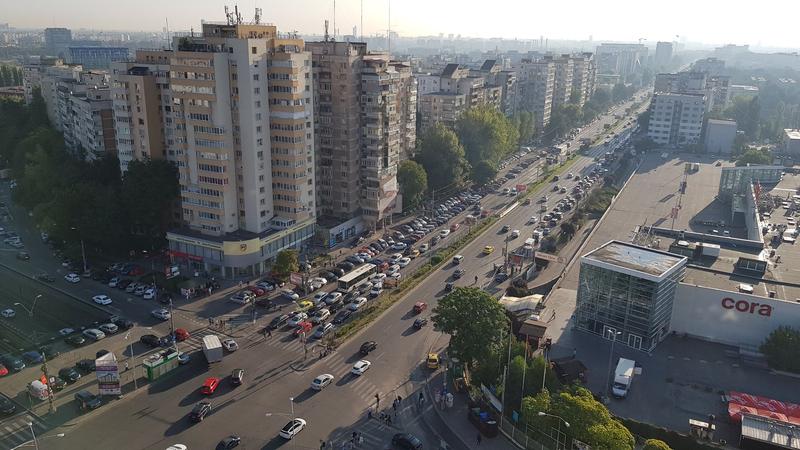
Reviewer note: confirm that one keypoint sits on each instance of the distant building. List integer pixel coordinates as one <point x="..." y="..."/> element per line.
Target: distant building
<point x="676" y="120"/>
<point x="459" y="90"/>
<point x="663" y="56"/>
<point x="56" y="41"/>
<point x="13" y="93"/>
<point x="741" y="90"/>
<point x="535" y="93"/>
<point x="584" y="76"/>
<point x="499" y="82"/>
<point x="720" y="135"/>
<point x="711" y="66"/>
<point x="715" y="87"/>
<point x="97" y="57"/>
<point x="32" y="74"/>
<point x="92" y="128"/>
<point x="562" y="82"/>
<point x="624" y="60"/>
<point x="790" y="144"/>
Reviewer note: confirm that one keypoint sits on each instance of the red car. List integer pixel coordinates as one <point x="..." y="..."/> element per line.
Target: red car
<point x="3" y="370"/>
<point x="181" y="334"/>
<point x="136" y="271"/>
<point x="256" y="290"/>
<point x="303" y="328"/>
<point x="419" y="307"/>
<point x="209" y="386"/>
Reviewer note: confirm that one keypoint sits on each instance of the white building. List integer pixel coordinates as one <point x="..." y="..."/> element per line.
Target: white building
<point x="676" y="120"/>
<point x="720" y="135"/>
<point x="790" y="144"/>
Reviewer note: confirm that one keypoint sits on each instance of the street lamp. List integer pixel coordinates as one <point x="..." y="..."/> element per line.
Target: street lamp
<point x="83" y="250"/>
<point x="291" y="404"/>
<point x="614" y="335"/>
<point x="35" y="440"/>
<point x="560" y="419"/>
<point x="30" y="311"/>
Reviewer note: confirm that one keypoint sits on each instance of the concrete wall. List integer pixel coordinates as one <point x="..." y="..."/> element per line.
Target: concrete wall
<point x="720" y="135"/>
<point x="729" y="317"/>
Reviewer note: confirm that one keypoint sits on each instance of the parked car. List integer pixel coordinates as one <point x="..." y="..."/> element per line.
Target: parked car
<point x="150" y="340"/>
<point x="87" y="400"/>
<point x="367" y="347"/>
<point x="200" y="411"/>
<point x="94" y="334"/>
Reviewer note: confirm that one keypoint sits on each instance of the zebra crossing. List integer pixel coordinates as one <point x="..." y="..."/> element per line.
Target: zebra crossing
<point x="16" y="430"/>
<point x="372" y="434"/>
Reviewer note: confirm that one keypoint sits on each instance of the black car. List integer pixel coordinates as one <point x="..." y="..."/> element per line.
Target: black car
<point x="342" y="316"/>
<point x="124" y="284"/>
<point x="13" y="363"/>
<point x="44" y="277"/>
<point x="49" y="352"/>
<point x="237" y="377"/>
<point x="458" y="273"/>
<point x="7" y="407"/>
<point x="500" y="277"/>
<point x="200" y="411"/>
<point x="100" y="353"/>
<point x="505" y="229"/>
<point x="69" y="374"/>
<point x="150" y="340"/>
<point x="406" y="441"/>
<point x="76" y="340"/>
<point x="123" y="323"/>
<point x="330" y="276"/>
<point x="57" y="383"/>
<point x="346" y="266"/>
<point x="87" y="400"/>
<point x="278" y="321"/>
<point x="86" y="365"/>
<point x="420" y="322"/>
<point x="367" y="347"/>
<point x="338" y="271"/>
<point x="229" y="442"/>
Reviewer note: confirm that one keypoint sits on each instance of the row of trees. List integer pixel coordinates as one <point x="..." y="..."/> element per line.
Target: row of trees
<point x="73" y="199"/>
<point x="564" y="118"/>
<point x="10" y="75"/>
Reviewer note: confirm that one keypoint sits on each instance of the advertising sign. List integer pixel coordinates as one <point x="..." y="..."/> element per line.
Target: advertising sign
<point x="108" y="375"/>
<point x="522" y="187"/>
<point x="296" y="278"/>
<point x="171" y="271"/>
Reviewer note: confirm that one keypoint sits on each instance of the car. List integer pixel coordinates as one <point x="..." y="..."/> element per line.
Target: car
<point x="367" y="347"/>
<point x="8" y="313"/>
<point x="87" y="400"/>
<point x="160" y="313"/>
<point x="94" y="334"/>
<point x="341" y="316"/>
<point x="320" y="382"/>
<point x="122" y="323"/>
<point x="290" y="294"/>
<point x="69" y="374"/>
<point x="33" y="357"/>
<point x="291" y="429"/>
<point x="181" y="334"/>
<point x="124" y="284"/>
<point x="209" y="386"/>
<point x="319" y="296"/>
<point x="360" y="367"/>
<point x="23" y="256"/>
<point x="278" y="321"/>
<point x="488" y="250"/>
<point x="402" y="262"/>
<point x="131" y="288"/>
<point x="114" y="282"/>
<point x="501" y="277"/>
<point x="304" y="305"/>
<point x="75" y="340"/>
<point x="237" y="377"/>
<point x="229" y="442"/>
<point x="297" y="318"/>
<point x="7" y="407"/>
<point x="322" y="330"/>
<point x="444" y="233"/>
<point x="399" y="246"/>
<point x="150" y="340"/>
<point x="14" y="363"/>
<point x="183" y="358"/>
<point x="44" y="277"/>
<point x="149" y="294"/>
<point x="420" y="322"/>
<point x="329" y="276"/>
<point x="3" y="370"/>
<point x="419" y="307"/>
<point x="458" y="273"/>
<point x="72" y="278"/>
<point x="230" y="345"/>
<point x="406" y="441"/>
<point x="200" y="411"/>
<point x="102" y="299"/>
<point x="333" y="298"/>
<point x="320" y="316"/>
<point x="177" y="447"/>
<point x="86" y="365"/>
<point x="140" y="290"/>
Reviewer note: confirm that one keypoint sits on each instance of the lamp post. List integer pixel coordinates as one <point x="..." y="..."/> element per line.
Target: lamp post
<point x="132" y="357"/>
<point x="83" y="249"/>
<point x="291" y="404"/>
<point x="35" y="440"/>
<point x="30" y="311"/>
<point x="614" y="334"/>
<point x="558" y="436"/>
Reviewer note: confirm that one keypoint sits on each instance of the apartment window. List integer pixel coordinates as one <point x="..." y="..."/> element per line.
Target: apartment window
<point x="256" y="91"/>
<point x="258" y="104"/>
<point x="253" y="50"/>
<point x="255" y="77"/>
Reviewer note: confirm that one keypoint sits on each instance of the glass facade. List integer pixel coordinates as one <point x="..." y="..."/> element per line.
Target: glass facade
<point x="612" y="301"/>
<point x="735" y="180"/>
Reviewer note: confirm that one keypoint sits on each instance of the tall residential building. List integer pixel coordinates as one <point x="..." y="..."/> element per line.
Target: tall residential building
<point x="562" y="81"/>
<point x="93" y="57"/>
<point x="624" y="60"/>
<point x="663" y="56"/>
<point x="584" y="76"/>
<point x="499" y="82"/>
<point x="56" y="41"/>
<point x="458" y="91"/>
<point x="676" y="120"/>
<point x="714" y="87"/>
<point x="240" y="131"/>
<point x="32" y="74"/>
<point x="92" y="128"/>
<point x="711" y="66"/>
<point x="50" y="79"/>
<point x="536" y="80"/>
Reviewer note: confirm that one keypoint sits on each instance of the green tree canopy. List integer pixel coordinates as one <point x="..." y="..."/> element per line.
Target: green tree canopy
<point x="442" y="156"/>
<point x="782" y="349"/>
<point x="525" y="125"/>
<point x="413" y="183"/>
<point x="754" y="157"/>
<point x="590" y="421"/>
<point x="746" y="112"/>
<point x="655" y="444"/>
<point x="486" y="134"/>
<point x="286" y="262"/>
<point x="483" y="172"/>
<point x="149" y="189"/>
<point x="475" y="321"/>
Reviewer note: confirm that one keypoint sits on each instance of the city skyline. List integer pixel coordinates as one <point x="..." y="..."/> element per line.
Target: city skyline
<point x="758" y="28"/>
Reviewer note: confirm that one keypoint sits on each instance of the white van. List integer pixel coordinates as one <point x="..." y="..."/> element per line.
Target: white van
<point x="514" y="234"/>
<point x="457" y="259"/>
<point x="39" y="390"/>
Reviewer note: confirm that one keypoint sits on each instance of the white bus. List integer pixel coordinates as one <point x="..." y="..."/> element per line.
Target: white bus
<point x="355" y="277"/>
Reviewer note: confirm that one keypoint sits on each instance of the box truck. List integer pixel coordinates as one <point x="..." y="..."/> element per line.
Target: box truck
<point x="623" y="376"/>
<point x="212" y="348"/>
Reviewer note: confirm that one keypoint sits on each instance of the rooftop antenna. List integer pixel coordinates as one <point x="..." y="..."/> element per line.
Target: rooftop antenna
<point x="334" y="20"/>
<point x="389" y="31"/>
<point x="238" y="14"/>
<point x="258" y="16"/>
<point x="169" y="41"/>
<point x="361" y="28"/>
<point x="326" y="31"/>
<point x="228" y="15"/>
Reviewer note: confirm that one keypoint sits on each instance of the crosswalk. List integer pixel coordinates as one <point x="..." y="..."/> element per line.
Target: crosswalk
<point x="372" y="434"/>
<point x="16" y="430"/>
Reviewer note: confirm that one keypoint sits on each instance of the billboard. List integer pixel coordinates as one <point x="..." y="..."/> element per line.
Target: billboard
<point x="296" y="278"/>
<point x="108" y="375"/>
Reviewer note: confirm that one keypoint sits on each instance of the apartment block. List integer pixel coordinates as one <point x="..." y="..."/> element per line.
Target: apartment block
<point x="564" y="67"/>
<point x="536" y="81"/>
<point x="624" y="60"/>
<point x="584" y="77"/>
<point x="49" y="80"/>
<point x="715" y="87"/>
<point x="32" y="74"/>
<point x="663" y="56"/>
<point x="676" y="120"/>
<point x="56" y="41"/>
<point x="459" y="90"/>
<point x="711" y="66"/>
<point x="92" y="129"/>
<point x="93" y="57"/>
<point x="501" y="86"/>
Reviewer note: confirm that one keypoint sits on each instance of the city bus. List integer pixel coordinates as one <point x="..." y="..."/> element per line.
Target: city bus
<point x="356" y="277"/>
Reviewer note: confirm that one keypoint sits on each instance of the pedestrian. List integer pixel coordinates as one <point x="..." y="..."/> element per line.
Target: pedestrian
<point x="269" y="331"/>
<point x="369" y="414"/>
<point x="476" y="279"/>
<point x="399" y="399"/>
<point x="355" y="435"/>
<point x="478" y="439"/>
<point x="322" y="445"/>
<point x="553" y="317"/>
<point x="126" y="366"/>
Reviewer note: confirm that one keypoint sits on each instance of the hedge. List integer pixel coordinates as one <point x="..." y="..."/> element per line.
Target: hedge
<point x="676" y="441"/>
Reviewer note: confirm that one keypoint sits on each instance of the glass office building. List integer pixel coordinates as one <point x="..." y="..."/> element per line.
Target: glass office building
<point x="735" y="180"/>
<point x="626" y="291"/>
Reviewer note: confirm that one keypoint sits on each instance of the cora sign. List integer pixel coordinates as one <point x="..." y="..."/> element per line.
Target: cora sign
<point x="747" y="307"/>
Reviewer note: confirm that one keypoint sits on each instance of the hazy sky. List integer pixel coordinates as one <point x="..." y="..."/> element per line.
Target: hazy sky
<point x="768" y="22"/>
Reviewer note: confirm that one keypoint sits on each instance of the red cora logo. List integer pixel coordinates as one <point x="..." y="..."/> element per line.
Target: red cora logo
<point x="744" y="306"/>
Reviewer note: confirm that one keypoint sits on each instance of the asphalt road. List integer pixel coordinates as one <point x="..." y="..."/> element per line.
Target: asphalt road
<point x="274" y="367"/>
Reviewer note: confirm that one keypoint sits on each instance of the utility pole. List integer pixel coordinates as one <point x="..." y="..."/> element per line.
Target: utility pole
<point x="50" y="400"/>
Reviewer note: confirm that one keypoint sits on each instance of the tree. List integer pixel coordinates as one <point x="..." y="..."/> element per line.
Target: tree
<point x="525" y="125"/>
<point x="746" y="113"/>
<point x="483" y="172"/>
<point x="413" y="182"/>
<point x="568" y="229"/>
<point x="442" y="156"/>
<point x="754" y="157"/>
<point x="486" y="134"/>
<point x="782" y="349"/>
<point x="286" y="262"/>
<point x="149" y="190"/>
<point x="645" y="144"/>
<point x="590" y="421"/>
<point x="475" y="321"/>
<point x="655" y="444"/>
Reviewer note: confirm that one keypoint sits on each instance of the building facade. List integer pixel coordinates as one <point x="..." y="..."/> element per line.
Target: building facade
<point x="584" y="77"/>
<point x="676" y="120"/>
<point x="92" y="129"/>
<point x="720" y="135"/>
<point x="790" y="143"/>
<point x="56" y="41"/>
<point x="663" y="56"/>
<point x="564" y="68"/>
<point x="97" y="57"/>
<point x="625" y="60"/>
<point x="535" y="93"/>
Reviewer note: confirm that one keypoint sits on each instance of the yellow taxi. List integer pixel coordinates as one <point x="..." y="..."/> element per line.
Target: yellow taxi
<point x="488" y="250"/>
<point x="433" y="361"/>
<point x="414" y="253"/>
<point x="304" y="305"/>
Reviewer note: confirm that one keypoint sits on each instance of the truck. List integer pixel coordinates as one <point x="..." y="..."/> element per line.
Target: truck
<point x="212" y="348"/>
<point x="623" y="377"/>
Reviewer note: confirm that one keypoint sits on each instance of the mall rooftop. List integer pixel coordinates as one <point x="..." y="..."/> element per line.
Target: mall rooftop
<point x="645" y="262"/>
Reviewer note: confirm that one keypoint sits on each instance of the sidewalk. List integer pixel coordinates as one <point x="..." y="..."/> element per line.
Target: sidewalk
<point x="453" y="425"/>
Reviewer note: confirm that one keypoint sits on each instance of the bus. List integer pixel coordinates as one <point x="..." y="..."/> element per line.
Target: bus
<point x="355" y="277"/>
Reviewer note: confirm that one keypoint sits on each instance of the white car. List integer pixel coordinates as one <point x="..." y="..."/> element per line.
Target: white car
<point x="94" y="334"/>
<point x="320" y="296"/>
<point x="230" y="345"/>
<point x="399" y="246"/>
<point x="394" y="257"/>
<point x="358" y="303"/>
<point x="321" y="381"/>
<point x="402" y="262"/>
<point x="533" y="219"/>
<point x="160" y="313"/>
<point x="292" y="428"/>
<point x="149" y="294"/>
<point x="265" y="286"/>
<point x="423" y="248"/>
<point x="114" y="282"/>
<point x="333" y="297"/>
<point x="8" y="313"/>
<point x="360" y="367"/>
<point x="102" y="299"/>
<point x="65" y="331"/>
<point x="290" y="294"/>
<point x="177" y="447"/>
<point x="514" y="234"/>
<point x="108" y="328"/>
<point x="395" y="276"/>
<point x="299" y="317"/>
<point x="321" y="316"/>
<point x="72" y="278"/>
<point x="392" y="270"/>
<point x="376" y="291"/>
<point x="444" y="233"/>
